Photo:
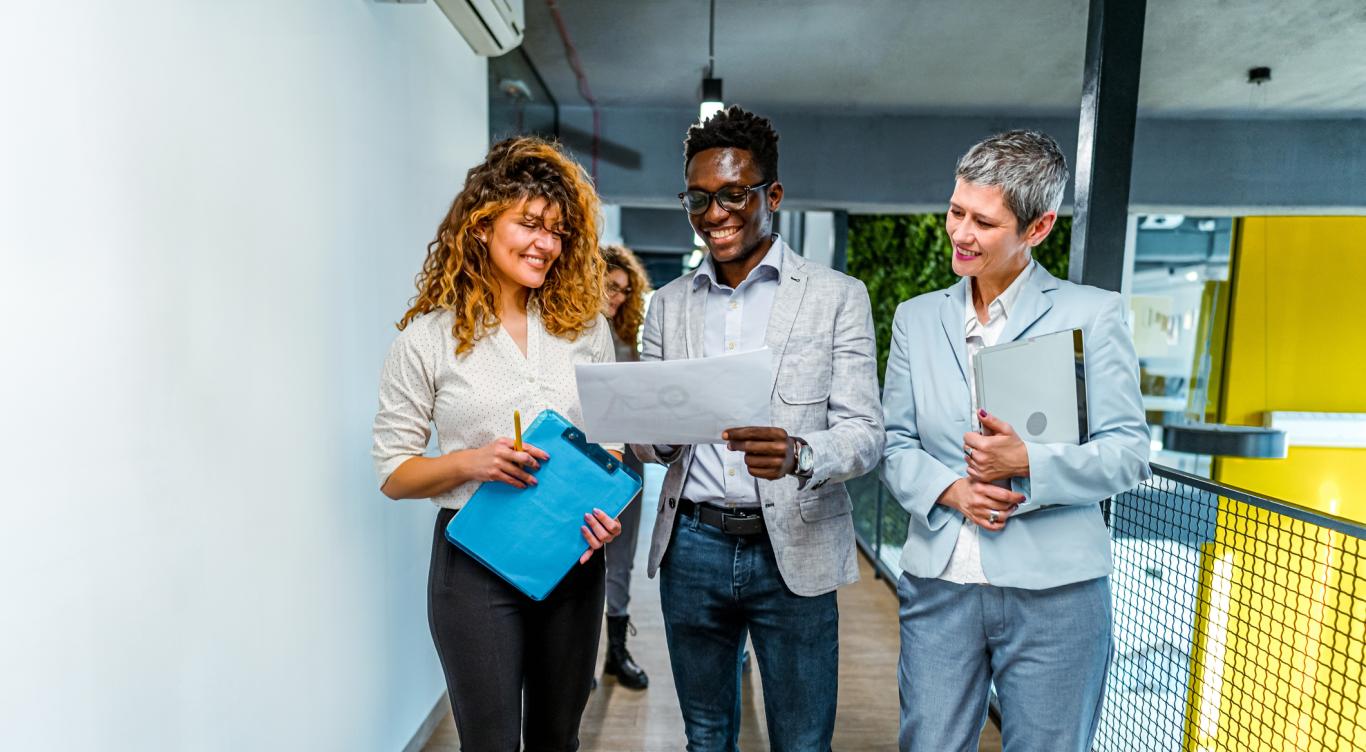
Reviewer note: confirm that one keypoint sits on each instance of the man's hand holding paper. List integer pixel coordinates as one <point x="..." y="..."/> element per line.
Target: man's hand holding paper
<point x="767" y="449"/>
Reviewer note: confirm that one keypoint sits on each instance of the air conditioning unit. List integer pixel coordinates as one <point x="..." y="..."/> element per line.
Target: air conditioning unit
<point x="491" y="27"/>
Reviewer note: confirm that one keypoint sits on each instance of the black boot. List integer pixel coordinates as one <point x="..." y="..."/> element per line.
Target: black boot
<point x="619" y="661"/>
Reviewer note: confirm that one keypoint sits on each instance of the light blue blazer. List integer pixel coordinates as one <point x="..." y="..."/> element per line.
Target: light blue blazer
<point x="1058" y="535"/>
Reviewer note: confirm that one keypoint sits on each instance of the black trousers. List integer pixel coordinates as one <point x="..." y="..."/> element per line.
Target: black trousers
<point x="515" y="668"/>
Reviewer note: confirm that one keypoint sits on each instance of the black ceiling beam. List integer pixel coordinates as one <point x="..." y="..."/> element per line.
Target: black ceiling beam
<point x="1105" y="141"/>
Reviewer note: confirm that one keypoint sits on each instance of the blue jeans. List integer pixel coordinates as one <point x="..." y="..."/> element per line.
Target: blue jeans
<point x="1047" y="651"/>
<point x="715" y="588"/>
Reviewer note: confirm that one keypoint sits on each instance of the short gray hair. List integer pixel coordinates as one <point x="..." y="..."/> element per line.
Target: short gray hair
<point x="1027" y="165"/>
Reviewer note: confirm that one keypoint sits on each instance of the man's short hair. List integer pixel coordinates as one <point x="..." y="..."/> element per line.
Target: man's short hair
<point x="736" y="128"/>
<point x="1027" y="165"/>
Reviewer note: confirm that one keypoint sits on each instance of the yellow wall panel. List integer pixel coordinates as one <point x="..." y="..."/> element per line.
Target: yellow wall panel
<point x="1277" y="655"/>
<point x="1277" y="660"/>
<point x="1297" y="341"/>
<point x="1329" y="480"/>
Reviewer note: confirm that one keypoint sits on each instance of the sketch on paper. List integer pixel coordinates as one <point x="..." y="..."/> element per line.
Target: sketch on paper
<point x="676" y="401"/>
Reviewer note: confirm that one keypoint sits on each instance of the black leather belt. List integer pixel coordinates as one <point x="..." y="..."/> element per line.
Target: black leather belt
<point x="727" y="522"/>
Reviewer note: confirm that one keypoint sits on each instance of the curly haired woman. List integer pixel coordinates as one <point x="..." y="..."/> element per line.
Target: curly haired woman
<point x="508" y="301"/>
<point x="624" y="306"/>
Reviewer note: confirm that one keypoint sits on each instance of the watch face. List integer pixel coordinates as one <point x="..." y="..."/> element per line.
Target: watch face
<point x="804" y="458"/>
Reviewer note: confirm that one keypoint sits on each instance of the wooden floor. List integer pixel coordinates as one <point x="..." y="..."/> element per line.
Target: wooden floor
<point x="622" y="720"/>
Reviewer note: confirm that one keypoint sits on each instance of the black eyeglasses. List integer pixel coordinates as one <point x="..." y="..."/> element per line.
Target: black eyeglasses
<point x="731" y="198"/>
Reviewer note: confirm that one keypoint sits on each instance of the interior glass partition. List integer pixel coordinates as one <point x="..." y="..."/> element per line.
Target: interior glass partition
<point x="1179" y="296"/>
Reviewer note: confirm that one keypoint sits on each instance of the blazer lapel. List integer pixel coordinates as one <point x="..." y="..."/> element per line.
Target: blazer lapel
<point x="1032" y="304"/>
<point x="694" y="317"/>
<point x="953" y="315"/>
<point x="786" y="303"/>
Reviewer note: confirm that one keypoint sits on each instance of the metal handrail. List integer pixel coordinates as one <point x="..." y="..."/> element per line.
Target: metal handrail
<point x="1270" y="504"/>
<point x="1233" y="493"/>
<point x="1175" y="499"/>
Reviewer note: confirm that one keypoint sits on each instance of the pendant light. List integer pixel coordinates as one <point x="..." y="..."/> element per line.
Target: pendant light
<point x="711" y="85"/>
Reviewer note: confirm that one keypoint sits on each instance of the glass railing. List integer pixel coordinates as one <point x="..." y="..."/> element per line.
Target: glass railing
<point x="880" y="524"/>
<point x="1240" y="619"/>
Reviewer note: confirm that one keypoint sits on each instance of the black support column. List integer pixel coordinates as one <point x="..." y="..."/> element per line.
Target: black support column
<point x="1105" y="141"/>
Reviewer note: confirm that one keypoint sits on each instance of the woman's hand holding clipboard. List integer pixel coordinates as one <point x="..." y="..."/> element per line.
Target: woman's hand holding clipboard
<point x="599" y="528"/>
<point x="501" y="461"/>
<point x="526" y="534"/>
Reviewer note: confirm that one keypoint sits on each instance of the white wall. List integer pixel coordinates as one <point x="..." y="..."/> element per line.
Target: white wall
<point x="210" y="217"/>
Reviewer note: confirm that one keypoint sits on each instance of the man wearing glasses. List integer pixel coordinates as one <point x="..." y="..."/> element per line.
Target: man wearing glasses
<point x="758" y="530"/>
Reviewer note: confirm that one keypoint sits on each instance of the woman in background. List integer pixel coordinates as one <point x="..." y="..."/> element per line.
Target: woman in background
<point x="508" y="303"/>
<point x="624" y="306"/>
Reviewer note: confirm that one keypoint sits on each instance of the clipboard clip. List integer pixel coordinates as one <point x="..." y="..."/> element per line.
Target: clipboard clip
<point x="592" y="451"/>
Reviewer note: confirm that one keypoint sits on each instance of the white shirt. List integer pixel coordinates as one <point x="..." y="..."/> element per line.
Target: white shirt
<point x="470" y="399"/>
<point x="965" y="565"/>
<point x="736" y="320"/>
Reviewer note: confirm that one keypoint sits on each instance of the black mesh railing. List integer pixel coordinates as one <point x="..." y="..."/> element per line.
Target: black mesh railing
<point x="1240" y="620"/>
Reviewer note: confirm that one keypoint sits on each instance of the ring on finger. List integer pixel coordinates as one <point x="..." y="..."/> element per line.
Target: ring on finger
<point x="994" y="517"/>
<point x="967" y="450"/>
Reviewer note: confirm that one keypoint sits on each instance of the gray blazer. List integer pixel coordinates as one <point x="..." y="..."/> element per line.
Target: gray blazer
<point x="824" y="390"/>
<point x="1058" y="536"/>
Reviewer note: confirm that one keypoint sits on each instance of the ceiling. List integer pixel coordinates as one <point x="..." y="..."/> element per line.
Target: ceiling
<point x="956" y="56"/>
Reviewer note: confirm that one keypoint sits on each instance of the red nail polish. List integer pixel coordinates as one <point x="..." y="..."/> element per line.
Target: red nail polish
<point x="981" y="413"/>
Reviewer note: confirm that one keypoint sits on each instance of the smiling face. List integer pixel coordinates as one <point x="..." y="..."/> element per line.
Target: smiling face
<point x="733" y="237"/>
<point x="525" y="241"/>
<point x="618" y="288"/>
<point x="986" y="239"/>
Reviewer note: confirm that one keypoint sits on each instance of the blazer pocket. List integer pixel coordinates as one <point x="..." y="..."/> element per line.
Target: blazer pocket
<point x="804" y="375"/>
<point x="825" y="506"/>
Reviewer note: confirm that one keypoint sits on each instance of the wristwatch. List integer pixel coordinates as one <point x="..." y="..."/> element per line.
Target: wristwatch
<point x="806" y="459"/>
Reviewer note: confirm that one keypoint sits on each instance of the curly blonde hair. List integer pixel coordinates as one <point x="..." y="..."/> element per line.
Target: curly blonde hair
<point x="458" y="274"/>
<point x="632" y="312"/>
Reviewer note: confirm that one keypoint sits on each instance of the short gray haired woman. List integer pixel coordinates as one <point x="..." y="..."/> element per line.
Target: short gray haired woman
<point x="1007" y="557"/>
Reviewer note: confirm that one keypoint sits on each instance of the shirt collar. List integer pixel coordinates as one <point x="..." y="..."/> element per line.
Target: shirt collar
<point x="771" y="265"/>
<point x="1003" y="303"/>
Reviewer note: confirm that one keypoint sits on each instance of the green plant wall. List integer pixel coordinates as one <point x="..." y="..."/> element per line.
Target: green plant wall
<point x="899" y="256"/>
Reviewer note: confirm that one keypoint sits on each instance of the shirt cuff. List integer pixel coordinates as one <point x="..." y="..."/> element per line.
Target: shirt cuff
<point x="386" y="467"/>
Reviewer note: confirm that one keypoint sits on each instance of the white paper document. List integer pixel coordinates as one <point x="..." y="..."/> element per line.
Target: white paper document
<point x="675" y="401"/>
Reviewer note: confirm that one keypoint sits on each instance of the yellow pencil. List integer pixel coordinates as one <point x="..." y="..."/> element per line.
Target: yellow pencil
<point x="517" y="426"/>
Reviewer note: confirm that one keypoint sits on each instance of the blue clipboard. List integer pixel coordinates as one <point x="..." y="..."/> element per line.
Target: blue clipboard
<point x="530" y="536"/>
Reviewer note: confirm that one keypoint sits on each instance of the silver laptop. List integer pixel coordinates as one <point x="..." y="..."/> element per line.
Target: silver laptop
<point x="1037" y="385"/>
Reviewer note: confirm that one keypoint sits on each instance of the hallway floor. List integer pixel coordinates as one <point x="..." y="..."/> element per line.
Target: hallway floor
<point x="623" y="720"/>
